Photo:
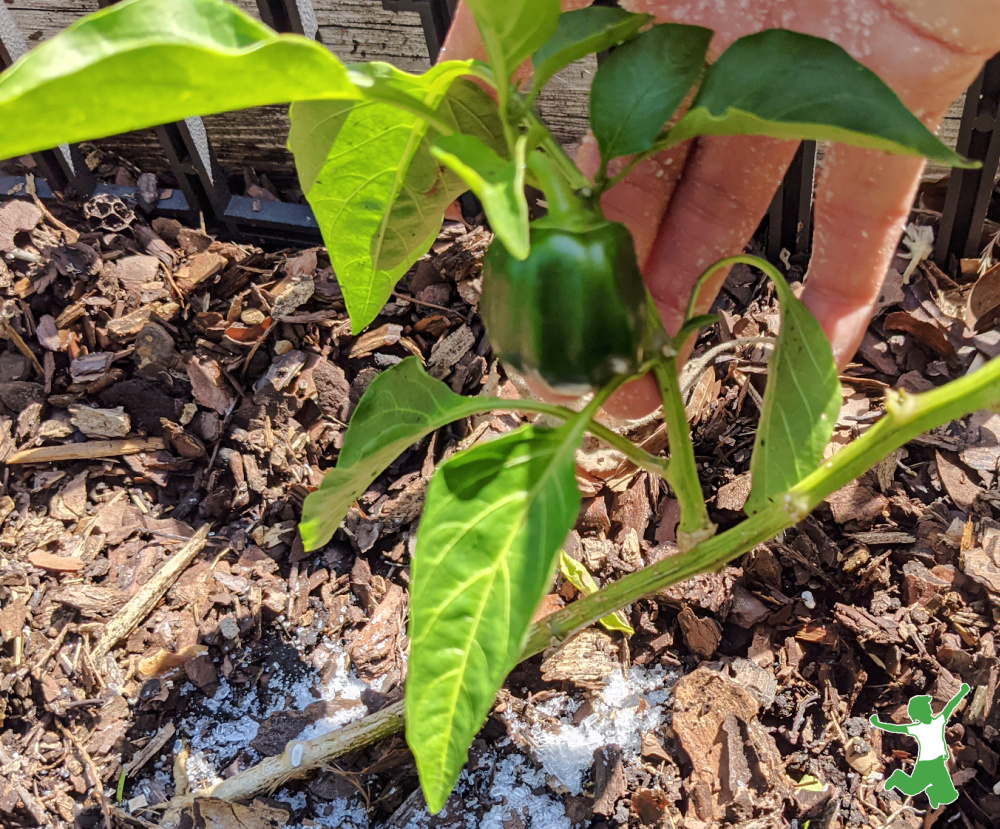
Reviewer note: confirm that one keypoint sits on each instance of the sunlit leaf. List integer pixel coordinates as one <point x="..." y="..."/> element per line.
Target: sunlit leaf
<point x="497" y="182"/>
<point x="583" y="32"/>
<point x="513" y="29"/>
<point x="579" y="576"/>
<point x="789" y="85"/>
<point x="495" y="518"/>
<point x="401" y="406"/>
<point x="140" y="63"/>
<point x="367" y="171"/>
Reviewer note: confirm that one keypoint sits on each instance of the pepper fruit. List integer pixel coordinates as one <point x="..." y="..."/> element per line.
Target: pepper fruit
<point x="573" y="313"/>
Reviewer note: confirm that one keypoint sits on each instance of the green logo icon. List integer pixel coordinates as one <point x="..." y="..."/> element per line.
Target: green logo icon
<point x="930" y="773"/>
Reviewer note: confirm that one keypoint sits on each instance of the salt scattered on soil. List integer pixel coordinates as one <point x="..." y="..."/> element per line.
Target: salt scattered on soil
<point x="506" y="784"/>
<point x="625" y="708"/>
<point x="340" y="813"/>
<point x="226" y="723"/>
<point x="509" y="784"/>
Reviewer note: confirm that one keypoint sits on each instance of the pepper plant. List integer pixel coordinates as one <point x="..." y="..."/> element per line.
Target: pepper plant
<point x="380" y="154"/>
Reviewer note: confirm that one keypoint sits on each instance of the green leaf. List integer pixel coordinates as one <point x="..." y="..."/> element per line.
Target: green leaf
<point x="401" y="406"/>
<point x="801" y="402"/>
<point x="497" y="182"/>
<point x="642" y="83"/>
<point x="512" y="30"/>
<point x="808" y="783"/>
<point x="367" y="170"/>
<point x="583" y="32"/>
<point x="494" y="520"/>
<point x="789" y="85"/>
<point x="579" y="576"/>
<point x="146" y="62"/>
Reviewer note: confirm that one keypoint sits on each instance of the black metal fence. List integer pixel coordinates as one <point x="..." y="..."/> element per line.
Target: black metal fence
<point x="203" y="191"/>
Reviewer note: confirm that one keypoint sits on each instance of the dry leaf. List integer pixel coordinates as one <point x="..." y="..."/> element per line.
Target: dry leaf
<point x="211" y="813"/>
<point x="923" y="332"/>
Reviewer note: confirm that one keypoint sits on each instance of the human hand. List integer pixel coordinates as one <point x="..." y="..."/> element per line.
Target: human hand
<point x="700" y="202"/>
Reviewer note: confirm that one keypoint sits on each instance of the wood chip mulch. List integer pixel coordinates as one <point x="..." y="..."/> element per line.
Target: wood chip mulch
<point x="168" y="399"/>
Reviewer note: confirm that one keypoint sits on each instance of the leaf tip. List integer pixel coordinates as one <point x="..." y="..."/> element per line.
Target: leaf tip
<point x="310" y="533"/>
<point x="435" y="798"/>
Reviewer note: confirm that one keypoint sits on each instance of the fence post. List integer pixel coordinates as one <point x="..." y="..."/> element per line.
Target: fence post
<point x="435" y="15"/>
<point x="969" y="191"/>
<point x="790" y="215"/>
<point x="295" y="16"/>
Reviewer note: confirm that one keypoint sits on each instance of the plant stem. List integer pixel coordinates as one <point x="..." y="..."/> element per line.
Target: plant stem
<point x="272" y="772"/>
<point x="563" y="202"/>
<point x="640" y="457"/>
<point x="553" y="149"/>
<point x="742" y="259"/>
<point x="555" y="629"/>
<point x="907" y="417"/>
<point x="606" y="183"/>
<point x="694" y="524"/>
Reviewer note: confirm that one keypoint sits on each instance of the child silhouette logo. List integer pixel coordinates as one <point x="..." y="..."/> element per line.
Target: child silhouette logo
<point x="930" y="773"/>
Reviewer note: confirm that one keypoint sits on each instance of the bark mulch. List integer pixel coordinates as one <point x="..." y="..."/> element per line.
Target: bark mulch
<point x="168" y="399"/>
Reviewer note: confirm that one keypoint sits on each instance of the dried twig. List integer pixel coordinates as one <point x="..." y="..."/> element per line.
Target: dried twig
<point x="415" y="301"/>
<point x="151" y="749"/>
<point x="87" y="451"/>
<point x="88" y="761"/>
<point x="697" y="365"/>
<point x="7" y="330"/>
<point x="72" y="236"/>
<point x="140" y="605"/>
<point x="299" y="758"/>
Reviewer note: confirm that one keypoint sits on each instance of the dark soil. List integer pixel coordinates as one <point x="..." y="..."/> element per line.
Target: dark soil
<point x="190" y="382"/>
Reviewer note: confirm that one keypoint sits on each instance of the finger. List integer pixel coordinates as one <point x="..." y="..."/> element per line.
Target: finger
<point x="463" y="41"/>
<point x="727" y="186"/>
<point x="862" y="204"/>
<point x="863" y="198"/>
<point x="975" y="24"/>
<point x="641" y="198"/>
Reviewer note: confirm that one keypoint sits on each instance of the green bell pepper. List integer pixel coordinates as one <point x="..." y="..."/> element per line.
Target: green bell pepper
<point x="572" y="314"/>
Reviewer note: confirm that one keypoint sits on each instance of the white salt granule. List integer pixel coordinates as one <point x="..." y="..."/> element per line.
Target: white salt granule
<point x="296" y="801"/>
<point x="229" y="720"/>
<point x="513" y="781"/>
<point x="627" y="706"/>
<point x="341" y="814"/>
